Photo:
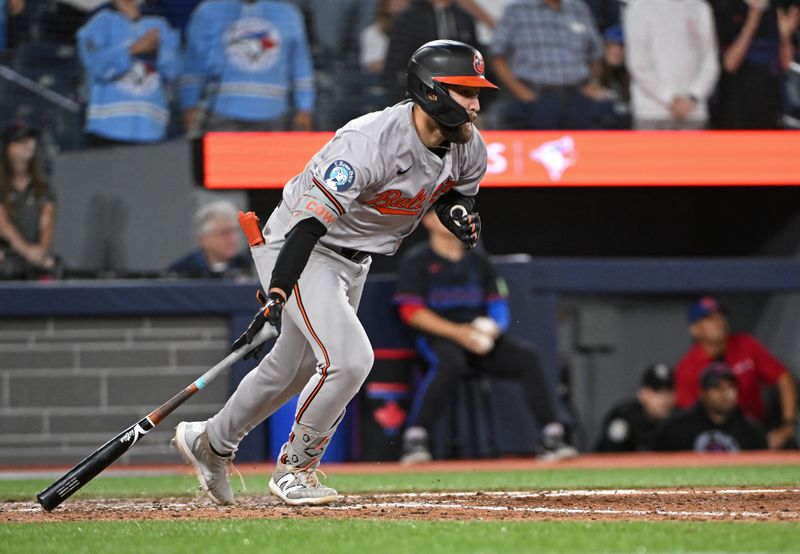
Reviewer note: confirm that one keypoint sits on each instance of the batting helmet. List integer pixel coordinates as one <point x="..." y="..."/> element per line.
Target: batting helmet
<point x="444" y="62"/>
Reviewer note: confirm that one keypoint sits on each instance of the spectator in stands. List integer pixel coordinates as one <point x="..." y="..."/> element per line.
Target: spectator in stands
<point x="672" y="59"/>
<point x="753" y="366"/>
<point x="755" y="40"/>
<point x="714" y="423"/>
<point x="27" y="207"/>
<point x="614" y="76"/>
<point x="459" y="307"/>
<point x="337" y="43"/>
<point x="247" y="68"/>
<point x="4" y="9"/>
<point x="129" y="59"/>
<point x="62" y="19"/>
<point x="178" y="12"/>
<point x="220" y="253"/>
<point x="420" y="22"/>
<point x="634" y="425"/>
<point x="9" y="9"/>
<point x="374" y="39"/>
<point x="548" y="55"/>
<point x="485" y="13"/>
<point x="607" y="13"/>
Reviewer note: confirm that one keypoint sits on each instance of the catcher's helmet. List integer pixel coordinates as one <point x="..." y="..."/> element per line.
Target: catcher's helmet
<point x="444" y="62"/>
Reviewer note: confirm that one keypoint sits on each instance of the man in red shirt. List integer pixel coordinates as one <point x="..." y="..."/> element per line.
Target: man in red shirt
<point x="752" y="364"/>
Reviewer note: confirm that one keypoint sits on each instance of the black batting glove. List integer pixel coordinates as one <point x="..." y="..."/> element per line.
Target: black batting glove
<point x="270" y="312"/>
<point x="466" y="226"/>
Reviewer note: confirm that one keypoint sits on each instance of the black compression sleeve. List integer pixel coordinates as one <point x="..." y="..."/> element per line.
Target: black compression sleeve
<point x="294" y="253"/>
<point x="452" y="198"/>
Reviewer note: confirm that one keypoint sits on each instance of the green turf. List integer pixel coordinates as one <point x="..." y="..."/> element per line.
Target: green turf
<point x="386" y="537"/>
<point x="169" y="485"/>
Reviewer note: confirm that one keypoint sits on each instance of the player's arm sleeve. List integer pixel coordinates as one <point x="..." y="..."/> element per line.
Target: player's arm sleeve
<point x="768" y="367"/>
<point x="169" y="60"/>
<point x="294" y="253"/>
<point x="302" y="68"/>
<point x="200" y="45"/>
<point x="336" y="176"/>
<point x="104" y="59"/>
<point x="497" y="306"/>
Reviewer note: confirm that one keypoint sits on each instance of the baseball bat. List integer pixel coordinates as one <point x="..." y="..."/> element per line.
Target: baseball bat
<point x="97" y="461"/>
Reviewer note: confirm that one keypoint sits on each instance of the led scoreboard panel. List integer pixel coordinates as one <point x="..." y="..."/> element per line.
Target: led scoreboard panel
<point x="541" y="159"/>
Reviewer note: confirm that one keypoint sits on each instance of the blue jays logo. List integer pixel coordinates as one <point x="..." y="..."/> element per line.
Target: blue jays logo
<point x="252" y="44"/>
<point x="340" y="176"/>
<point x="141" y="79"/>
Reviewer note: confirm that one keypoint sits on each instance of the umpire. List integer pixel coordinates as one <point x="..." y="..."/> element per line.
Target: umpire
<point x="634" y="424"/>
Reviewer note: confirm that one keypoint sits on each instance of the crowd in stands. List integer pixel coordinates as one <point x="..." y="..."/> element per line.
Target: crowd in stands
<point x="714" y="400"/>
<point x="162" y="68"/>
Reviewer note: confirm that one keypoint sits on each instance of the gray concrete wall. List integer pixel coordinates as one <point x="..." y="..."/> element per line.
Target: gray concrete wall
<point x="128" y="208"/>
<point x="67" y="385"/>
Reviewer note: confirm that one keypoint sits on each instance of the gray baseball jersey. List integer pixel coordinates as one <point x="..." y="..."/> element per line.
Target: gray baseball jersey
<point x="370" y="186"/>
<point x="372" y="183"/>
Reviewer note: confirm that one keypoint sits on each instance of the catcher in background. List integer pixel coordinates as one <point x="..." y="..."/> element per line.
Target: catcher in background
<point x="459" y="306"/>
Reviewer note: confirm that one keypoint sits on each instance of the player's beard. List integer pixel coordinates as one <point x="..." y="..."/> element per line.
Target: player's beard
<point x="458" y="135"/>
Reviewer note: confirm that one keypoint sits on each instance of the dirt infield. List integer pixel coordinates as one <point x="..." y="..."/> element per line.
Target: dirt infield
<point x="705" y="504"/>
<point x="766" y="504"/>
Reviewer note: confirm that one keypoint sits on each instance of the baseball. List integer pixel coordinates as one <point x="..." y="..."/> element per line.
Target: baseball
<point x="486" y="325"/>
<point x="484" y="343"/>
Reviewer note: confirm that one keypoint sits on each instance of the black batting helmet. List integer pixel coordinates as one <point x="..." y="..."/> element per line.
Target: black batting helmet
<point x="444" y="62"/>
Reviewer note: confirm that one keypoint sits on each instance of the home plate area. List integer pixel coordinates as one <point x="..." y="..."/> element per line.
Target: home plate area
<point x="707" y="504"/>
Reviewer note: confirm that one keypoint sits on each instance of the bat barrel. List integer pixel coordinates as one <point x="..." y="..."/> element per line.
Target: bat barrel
<point x="92" y="465"/>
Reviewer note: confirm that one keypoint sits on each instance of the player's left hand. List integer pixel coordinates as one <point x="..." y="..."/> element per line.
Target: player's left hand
<point x="270" y="312"/>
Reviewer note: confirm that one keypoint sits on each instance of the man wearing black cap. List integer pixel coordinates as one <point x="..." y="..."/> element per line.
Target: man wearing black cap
<point x="753" y="366"/>
<point x="634" y="424"/>
<point x="714" y="423"/>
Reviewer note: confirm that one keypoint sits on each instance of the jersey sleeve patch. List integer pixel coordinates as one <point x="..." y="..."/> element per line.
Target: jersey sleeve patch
<point x="339" y="176"/>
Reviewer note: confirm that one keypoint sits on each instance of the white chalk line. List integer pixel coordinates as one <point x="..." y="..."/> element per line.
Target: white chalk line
<point x="577" y="493"/>
<point x="567" y="511"/>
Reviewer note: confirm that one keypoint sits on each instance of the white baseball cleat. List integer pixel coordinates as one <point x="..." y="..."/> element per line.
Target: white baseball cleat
<point x="191" y="440"/>
<point x="300" y="486"/>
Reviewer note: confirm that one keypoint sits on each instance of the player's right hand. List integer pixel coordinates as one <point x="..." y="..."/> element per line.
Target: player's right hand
<point x="466" y="226"/>
<point x="270" y="312"/>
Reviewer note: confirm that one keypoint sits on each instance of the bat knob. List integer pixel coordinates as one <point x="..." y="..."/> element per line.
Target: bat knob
<point x="457" y="213"/>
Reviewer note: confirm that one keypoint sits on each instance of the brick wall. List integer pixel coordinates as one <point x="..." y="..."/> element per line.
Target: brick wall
<point x="67" y="385"/>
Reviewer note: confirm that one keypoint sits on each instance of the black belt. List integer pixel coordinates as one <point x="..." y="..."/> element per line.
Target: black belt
<point x="356" y="256"/>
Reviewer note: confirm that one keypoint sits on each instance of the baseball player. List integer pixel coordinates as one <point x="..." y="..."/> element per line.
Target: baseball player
<point x="361" y="194"/>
